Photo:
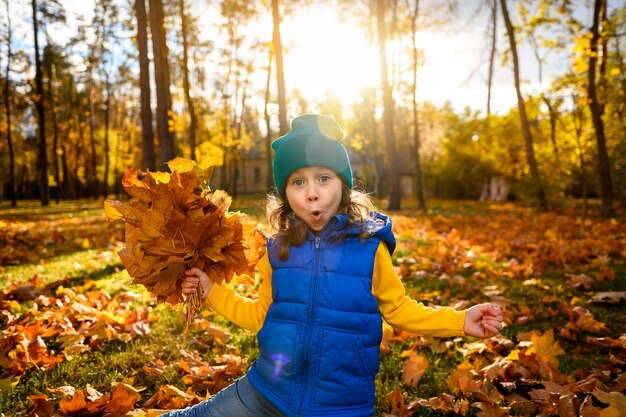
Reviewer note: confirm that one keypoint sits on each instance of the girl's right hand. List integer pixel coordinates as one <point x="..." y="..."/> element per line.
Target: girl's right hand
<point x="194" y="278"/>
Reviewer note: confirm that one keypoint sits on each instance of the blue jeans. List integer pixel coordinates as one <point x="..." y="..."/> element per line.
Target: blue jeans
<point x="240" y="399"/>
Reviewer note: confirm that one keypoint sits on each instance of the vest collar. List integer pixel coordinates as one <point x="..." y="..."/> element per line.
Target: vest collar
<point x="335" y="224"/>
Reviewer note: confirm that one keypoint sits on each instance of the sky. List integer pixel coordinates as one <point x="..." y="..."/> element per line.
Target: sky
<point x="329" y="54"/>
<point x="449" y="59"/>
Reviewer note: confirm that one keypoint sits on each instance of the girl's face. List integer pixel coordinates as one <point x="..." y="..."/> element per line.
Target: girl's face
<point x="314" y="194"/>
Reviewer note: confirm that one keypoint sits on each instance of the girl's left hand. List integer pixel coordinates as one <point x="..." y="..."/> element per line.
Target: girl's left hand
<point x="483" y="320"/>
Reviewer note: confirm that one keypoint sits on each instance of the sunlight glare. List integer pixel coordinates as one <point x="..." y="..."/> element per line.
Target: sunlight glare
<point x="326" y="57"/>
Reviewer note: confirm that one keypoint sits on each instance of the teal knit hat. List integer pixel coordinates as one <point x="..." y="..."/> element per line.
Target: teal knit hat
<point x="312" y="141"/>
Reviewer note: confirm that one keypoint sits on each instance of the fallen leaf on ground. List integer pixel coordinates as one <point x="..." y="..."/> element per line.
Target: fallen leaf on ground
<point x="413" y="369"/>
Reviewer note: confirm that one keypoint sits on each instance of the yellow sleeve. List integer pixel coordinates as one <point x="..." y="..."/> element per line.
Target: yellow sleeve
<point x="404" y="313"/>
<point x="243" y="311"/>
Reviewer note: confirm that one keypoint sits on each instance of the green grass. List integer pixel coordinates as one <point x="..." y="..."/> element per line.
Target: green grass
<point x="31" y="210"/>
<point x="73" y="266"/>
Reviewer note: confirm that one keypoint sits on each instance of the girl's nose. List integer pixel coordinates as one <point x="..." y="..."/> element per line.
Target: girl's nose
<point x="312" y="194"/>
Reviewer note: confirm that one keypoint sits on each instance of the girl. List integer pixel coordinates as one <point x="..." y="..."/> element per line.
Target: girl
<point x="327" y="283"/>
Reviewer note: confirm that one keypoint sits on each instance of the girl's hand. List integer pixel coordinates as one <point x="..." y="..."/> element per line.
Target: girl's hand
<point x="483" y="320"/>
<point x="193" y="278"/>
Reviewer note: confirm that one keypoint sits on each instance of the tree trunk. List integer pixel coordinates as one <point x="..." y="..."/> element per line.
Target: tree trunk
<point x="596" y="108"/>
<point x="378" y="157"/>
<point x="419" y="183"/>
<point x="79" y="123"/>
<point x="492" y="52"/>
<point x="107" y="112"/>
<point x="280" y="74"/>
<point x="621" y="107"/>
<point x="93" y="192"/>
<point x="75" y="119"/>
<point x="69" y="184"/>
<point x="7" y="109"/>
<point x="530" y="153"/>
<point x="237" y="172"/>
<point x="92" y="180"/>
<point x="55" y="132"/>
<point x="162" y="81"/>
<point x="269" y="178"/>
<point x="147" y="134"/>
<point x="577" y="117"/>
<point x="122" y="139"/>
<point x="42" y="156"/>
<point x="224" y="180"/>
<point x="23" y="181"/>
<point x="393" y="179"/>
<point x="186" y="87"/>
<point x="552" y="113"/>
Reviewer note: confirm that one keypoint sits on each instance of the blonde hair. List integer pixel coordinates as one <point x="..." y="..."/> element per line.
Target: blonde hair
<point x="288" y="229"/>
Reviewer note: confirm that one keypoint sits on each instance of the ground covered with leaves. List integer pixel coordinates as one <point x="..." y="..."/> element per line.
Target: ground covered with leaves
<point x="79" y="339"/>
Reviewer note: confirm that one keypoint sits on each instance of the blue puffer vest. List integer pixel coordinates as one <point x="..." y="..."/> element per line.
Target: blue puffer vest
<point x="320" y="340"/>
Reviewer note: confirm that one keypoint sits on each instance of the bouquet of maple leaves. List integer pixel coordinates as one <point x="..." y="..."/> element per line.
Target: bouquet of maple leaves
<point x="174" y="222"/>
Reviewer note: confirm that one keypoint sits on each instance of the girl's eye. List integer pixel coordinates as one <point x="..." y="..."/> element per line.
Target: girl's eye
<point x="297" y="182"/>
<point x="324" y="178"/>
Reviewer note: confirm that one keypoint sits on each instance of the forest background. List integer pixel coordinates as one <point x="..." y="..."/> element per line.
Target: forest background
<point x="137" y="84"/>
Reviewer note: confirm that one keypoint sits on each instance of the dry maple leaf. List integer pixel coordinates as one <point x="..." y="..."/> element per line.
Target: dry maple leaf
<point x="413" y="369"/>
<point x="490" y="410"/>
<point x="41" y="406"/>
<point x="615" y="400"/>
<point x="462" y="380"/>
<point x="545" y="347"/>
<point x="74" y="404"/>
<point x="396" y="400"/>
<point x="123" y="399"/>
<point x="585" y="321"/>
<point x="169" y="397"/>
<point x="445" y="403"/>
<point x="587" y="409"/>
<point x="173" y="222"/>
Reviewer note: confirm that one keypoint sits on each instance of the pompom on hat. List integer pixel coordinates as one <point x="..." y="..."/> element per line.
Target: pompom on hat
<point x="314" y="140"/>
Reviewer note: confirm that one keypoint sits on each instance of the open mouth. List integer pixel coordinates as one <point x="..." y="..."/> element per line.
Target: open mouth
<point x="316" y="214"/>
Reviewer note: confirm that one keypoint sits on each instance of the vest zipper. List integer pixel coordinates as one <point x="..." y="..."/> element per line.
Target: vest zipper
<point x="316" y="265"/>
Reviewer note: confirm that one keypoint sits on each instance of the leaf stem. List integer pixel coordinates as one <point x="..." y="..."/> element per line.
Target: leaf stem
<point x="194" y="302"/>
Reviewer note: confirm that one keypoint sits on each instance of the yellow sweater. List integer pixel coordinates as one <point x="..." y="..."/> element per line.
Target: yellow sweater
<point x="398" y="309"/>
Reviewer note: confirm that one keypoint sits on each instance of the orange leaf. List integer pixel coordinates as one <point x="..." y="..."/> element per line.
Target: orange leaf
<point x="413" y="369"/>
<point x="219" y="334"/>
<point x="169" y="397"/>
<point x="396" y="400"/>
<point x="585" y="321"/>
<point x="76" y="403"/>
<point x="491" y="410"/>
<point x="123" y="399"/>
<point x="41" y="406"/>
<point x="462" y="380"/>
<point x="134" y="184"/>
<point x="605" y="274"/>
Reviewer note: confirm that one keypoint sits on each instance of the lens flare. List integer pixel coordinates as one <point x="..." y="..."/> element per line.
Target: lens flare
<point x="280" y="360"/>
